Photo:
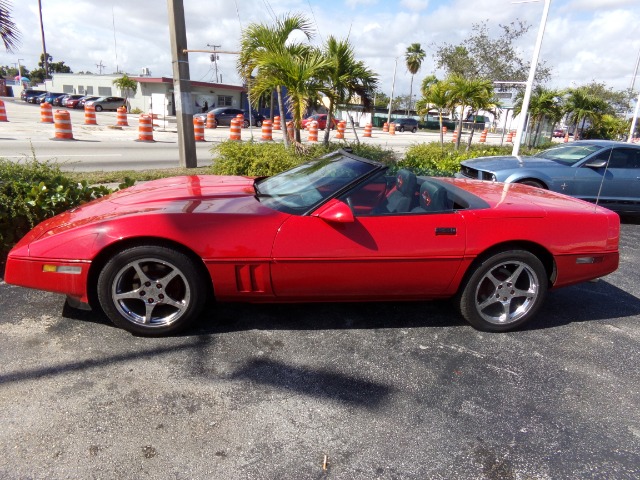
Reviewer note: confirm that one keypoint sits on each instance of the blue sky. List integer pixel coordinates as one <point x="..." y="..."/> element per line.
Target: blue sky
<point x="584" y="40"/>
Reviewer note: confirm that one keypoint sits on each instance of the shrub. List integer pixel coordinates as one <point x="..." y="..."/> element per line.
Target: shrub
<point x="32" y="191"/>
<point x="444" y="160"/>
<point x="266" y="159"/>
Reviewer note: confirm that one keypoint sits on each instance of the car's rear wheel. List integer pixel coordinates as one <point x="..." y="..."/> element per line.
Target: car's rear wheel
<point x="151" y="290"/>
<point x="504" y="291"/>
<point x="533" y="183"/>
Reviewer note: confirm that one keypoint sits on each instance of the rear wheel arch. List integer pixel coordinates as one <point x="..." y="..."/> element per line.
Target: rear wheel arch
<point x="538" y="250"/>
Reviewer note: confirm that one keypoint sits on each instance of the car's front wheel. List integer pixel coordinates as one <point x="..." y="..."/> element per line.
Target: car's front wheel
<point x="98" y="108"/>
<point x="414" y="129"/>
<point x="401" y="128"/>
<point x="504" y="291"/>
<point x="151" y="290"/>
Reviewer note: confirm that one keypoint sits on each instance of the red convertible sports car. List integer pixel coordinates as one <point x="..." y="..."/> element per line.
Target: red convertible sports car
<point x="338" y="228"/>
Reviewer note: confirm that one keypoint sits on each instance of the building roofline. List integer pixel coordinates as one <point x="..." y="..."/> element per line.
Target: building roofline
<point x="195" y="84"/>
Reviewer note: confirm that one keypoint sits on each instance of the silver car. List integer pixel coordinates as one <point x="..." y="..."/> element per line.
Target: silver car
<point x="599" y="171"/>
<point x="107" y="103"/>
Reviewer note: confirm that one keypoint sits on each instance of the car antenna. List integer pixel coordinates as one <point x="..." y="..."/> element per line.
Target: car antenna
<point x="606" y="168"/>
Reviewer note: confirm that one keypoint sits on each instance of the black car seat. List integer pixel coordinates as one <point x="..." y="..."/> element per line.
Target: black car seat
<point x="402" y="197"/>
<point x="433" y="198"/>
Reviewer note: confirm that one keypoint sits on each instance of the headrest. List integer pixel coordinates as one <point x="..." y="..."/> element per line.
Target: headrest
<point x="432" y="197"/>
<point x="406" y="182"/>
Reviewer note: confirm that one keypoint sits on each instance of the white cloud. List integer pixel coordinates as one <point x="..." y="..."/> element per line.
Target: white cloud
<point x="584" y="40"/>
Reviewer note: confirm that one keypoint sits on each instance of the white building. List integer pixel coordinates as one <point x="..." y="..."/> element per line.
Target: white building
<point x="154" y="94"/>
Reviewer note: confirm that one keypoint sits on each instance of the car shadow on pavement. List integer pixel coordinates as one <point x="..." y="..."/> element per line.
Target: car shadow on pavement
<point x="590" y="301"/>
<point x="585" y="302"/>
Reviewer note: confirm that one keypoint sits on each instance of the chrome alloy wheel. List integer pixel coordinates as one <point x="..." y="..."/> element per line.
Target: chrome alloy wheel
<point x="507" y="292"/>
<point x="151" y="292"/>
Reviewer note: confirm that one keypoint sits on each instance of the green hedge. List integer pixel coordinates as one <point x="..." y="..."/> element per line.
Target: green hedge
<point x="32" y="191"/>
<point x="444" y="160"/>
<point x="265" y="159"/>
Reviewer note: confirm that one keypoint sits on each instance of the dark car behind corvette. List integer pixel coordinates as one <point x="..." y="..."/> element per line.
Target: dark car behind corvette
<point x="599" y="171"/>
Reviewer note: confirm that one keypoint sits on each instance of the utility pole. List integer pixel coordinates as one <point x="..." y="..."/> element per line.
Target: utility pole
<point x="182" y="84"/>
<point x="100" y="67"/>
<point x="214" y="58"/>
<point x="44" y="46"/>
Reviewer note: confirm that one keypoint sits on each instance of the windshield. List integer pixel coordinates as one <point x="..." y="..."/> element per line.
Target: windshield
<point x="568" y="154"/>
<point x="298" y="190"/>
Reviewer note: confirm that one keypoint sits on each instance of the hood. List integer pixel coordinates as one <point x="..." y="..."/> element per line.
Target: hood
<point x="509" y="162"/>
<point x="200" y="193"/>
<point x="199" y="187"/>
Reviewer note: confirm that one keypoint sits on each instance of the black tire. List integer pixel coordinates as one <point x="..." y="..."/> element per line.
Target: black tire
<point x="98" y="108"/>
<point x="401" y="129"/>
<point x="128" y="300"/>
<point x="533" y="183"/>
<point x="258" y="123"/>
<point x="245" y="124"/>
<point x="504" y="291"/>
<point x="414" y="130"/>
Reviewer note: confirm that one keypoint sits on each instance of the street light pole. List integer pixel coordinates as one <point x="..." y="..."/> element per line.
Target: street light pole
<point x="522" y="118"/>
<point x="633" y="122"/>
<point x="393" y="86"/>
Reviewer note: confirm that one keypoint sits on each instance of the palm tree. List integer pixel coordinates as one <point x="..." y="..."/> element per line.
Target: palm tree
<point x="8" y="31"/>
<point x="345" y="78"/>
<point x="299" y="68"/>
<point x="259" y="38"/>
<point x="582" y="106"/>
<point x="544" y="103"/>
<point x="475" y="93"/>
<point x="414" y="56"/>
<point x="127" y="86"/>
<point x="435" y="94"/>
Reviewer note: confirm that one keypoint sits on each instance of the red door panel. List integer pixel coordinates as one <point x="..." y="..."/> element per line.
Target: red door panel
<point x="377" y="256"/>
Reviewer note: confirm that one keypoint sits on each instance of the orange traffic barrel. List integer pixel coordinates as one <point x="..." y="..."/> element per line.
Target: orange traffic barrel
<point x="290" y="132"/>
<point x="313" y="132"/>
<point x="444" y="130"/>
<point x="276" y="123"/>
<point x="3" y="112"/>
<point x="392" y="128"/>
<point x="46" y="113"/>
<point x="368" y="129"/>
<point x="510" y="136"/>
<point x="267" y="131"/>
<point x="483" y="136"/>
<point x="121" y="119"/>
<point x="145" y="128"/>
<point x="211" y="120"/>
<point x="455" y="136"/>
<point x="62" y="123"/>
<point x="198" y="129"/>
<point x="342" y="127"/>
<point x="235" y="129"/>
<point x="385" y="127"/>
<point x="90" y="115"/>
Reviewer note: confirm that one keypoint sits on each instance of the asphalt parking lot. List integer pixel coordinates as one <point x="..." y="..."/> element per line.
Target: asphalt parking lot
<point x="345" y="391"/>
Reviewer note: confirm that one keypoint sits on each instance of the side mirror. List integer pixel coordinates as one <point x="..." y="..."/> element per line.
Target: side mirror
<point x="595" y="163"/>
<point x="335" y="211"/>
